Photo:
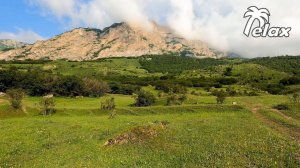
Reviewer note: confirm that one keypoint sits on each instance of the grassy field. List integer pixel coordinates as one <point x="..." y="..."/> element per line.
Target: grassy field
<point x="219" y="138"/>
<point x="204" y="135"/>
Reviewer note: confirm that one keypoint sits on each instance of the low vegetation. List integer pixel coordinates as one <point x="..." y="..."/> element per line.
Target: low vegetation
<point x="144" y="98"/>
<point x="15" y="97"/>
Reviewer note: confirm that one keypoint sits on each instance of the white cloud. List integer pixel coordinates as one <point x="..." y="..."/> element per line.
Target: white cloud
<point x="21" y="35"/>
<point x="217" y="22"/>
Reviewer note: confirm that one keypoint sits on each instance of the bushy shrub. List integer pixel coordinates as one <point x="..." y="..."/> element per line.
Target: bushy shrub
<point x="290" y="81"/>
<point x="69" y="86"/>
<point x="176" y="99"/>
<point x="228" y="71"/>
<point x="94" y="88"/>
<point x="295" y="98"/>
<point x="171" y="88"/>
<point x="108" y="104"/>
<point x="281" y="107"/>
<point x="47" y="105"/>
<point x="252" y="93"/>
<point x="227" y="81"/>
<point x="275" y="88"/>
<point x="125" y="89"/>
<point x="143" y="98"/>
<point x="15" y="97"/>
<point x="195" y="93"/>
<point x="220" y="96"/>
<point x="231" y="91"/>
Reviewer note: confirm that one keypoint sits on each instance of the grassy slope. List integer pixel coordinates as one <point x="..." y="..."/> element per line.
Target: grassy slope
<point x="215" y="138"/>
<point x="288" y="64"/>
<point x="120" y="66"/>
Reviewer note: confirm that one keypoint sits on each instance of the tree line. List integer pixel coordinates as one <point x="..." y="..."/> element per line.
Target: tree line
<point x="40" y="83"/>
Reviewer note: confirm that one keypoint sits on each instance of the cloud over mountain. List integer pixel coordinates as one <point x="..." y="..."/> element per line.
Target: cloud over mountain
<point x="217" y="22"/>
<point x="21" y="35"/>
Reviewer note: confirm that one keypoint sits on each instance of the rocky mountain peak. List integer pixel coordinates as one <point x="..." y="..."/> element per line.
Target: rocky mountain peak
<point x="118" y="40"/>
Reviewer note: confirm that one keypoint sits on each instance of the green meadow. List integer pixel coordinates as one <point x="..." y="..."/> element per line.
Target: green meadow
<point x="246" y="130"/>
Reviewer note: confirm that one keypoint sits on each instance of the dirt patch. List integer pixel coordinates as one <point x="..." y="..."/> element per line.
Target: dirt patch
<point x="138" y="134"/>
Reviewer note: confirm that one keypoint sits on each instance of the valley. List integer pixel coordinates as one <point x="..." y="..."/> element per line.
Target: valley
<point x="230" y="112"/>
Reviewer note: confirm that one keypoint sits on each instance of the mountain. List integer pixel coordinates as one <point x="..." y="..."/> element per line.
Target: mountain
<point x="118" y="40"/>
<point x="10" y="44"/>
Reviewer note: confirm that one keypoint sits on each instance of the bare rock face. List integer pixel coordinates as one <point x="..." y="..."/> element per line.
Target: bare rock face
<point x="118" y="40"/>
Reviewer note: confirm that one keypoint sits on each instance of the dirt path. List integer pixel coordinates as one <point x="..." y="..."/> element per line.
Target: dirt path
<point x="293" y="134"/>
<point x="284" y="116"/>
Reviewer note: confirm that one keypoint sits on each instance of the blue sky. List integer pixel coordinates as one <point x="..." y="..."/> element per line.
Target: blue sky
<point x="219" y="23"/>
<point x="18" y="14"/>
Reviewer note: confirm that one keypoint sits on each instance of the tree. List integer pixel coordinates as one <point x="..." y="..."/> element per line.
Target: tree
<point x="262" y="15"/>
<point x="144" y="98"/>
<point x="231" y="91"/>
<point x="93" y="87"/>
<point x="15" y="97"/>
<point x="69" y="86"/>
<point x="228" y="71"/>
<point x="221" y="96"/>
<point x="48" y="105"/>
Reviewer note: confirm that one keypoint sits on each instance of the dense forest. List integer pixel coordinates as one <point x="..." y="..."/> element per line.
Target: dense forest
<point x="289" y="64"/>
<point x="176" y="64"/>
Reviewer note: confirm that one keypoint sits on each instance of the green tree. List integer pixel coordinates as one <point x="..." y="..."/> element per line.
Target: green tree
<point x="143" y="98"/>
<point x="15" y="97"/>
<point x="228" y="71"/>
<point x="47" y="105"/>
<point x="93" y="87"/>
<point x="220" y="96"/>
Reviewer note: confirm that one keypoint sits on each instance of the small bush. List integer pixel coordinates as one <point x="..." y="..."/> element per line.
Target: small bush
<point x="221" y="96"/>
<point x="171" y="88"/>
<point x="295" y="98"/>
<point x="143" y="98"/>
<point x="252" y="93"/>
<point x="195" y="93"/>
<point x="15" y="97"/>
<point x="48" y="105"/>
<point x="227" y="81"/>
<point x="231" y="91"/>
<point x="125" y="89"/>
<point x="108" y="104"/>
<point x="176" y="99"/>
<point x="281" y="107"/>
<point x="228" y="71"/>
<point x="112" y="114"/>
<point x="94" y="88"/>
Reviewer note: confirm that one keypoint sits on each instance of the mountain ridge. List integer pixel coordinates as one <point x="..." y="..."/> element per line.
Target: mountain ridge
<point x="118" y="40"/>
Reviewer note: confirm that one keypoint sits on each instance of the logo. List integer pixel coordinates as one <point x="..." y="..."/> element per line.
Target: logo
<point x="264" y="28"/>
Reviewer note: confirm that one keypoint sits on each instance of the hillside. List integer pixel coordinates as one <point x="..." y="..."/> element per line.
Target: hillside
<point x="118" y="40"/>
<point x="289" y="64"/>
<point x="256" y="121"/>
<point x="10" y="44"/>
